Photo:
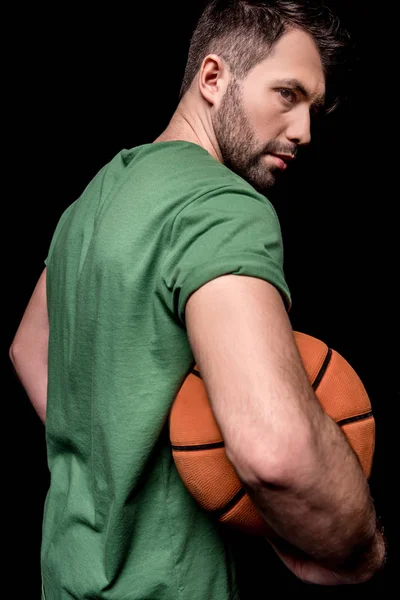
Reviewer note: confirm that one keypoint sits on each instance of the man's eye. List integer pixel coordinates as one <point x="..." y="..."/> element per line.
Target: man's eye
<point x="288" y="95"/>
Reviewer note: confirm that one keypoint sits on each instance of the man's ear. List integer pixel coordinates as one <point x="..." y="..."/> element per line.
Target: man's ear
<point x="213" y="79"/>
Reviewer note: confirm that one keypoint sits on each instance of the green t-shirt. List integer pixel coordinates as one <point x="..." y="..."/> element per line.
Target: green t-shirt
<point x="153" y="225"/>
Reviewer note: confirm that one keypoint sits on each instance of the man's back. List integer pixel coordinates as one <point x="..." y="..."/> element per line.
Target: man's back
<point x="153" y="226"/>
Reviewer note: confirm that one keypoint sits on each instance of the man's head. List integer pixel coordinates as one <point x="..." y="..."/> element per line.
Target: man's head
<point x="261" y="70"/>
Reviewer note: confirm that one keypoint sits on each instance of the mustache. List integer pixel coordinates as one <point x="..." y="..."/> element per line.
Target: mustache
<point x="273" y="147"/>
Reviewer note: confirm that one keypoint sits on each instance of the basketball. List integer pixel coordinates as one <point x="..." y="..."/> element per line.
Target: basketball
<point x="198" y="448"/>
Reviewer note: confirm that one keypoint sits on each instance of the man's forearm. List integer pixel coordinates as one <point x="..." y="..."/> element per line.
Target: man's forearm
<point x="324" y="507"/>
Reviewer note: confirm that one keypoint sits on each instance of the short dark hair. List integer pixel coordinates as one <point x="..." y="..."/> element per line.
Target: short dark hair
<point x="243" y="32"/>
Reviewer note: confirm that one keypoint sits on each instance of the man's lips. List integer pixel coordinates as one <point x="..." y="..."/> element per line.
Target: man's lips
<point x="281" y="160"/>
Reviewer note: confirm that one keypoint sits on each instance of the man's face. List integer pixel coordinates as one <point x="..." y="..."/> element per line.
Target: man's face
<point x="263" y="119"/>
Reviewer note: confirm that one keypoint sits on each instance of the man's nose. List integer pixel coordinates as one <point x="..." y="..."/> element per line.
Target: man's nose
<point x="299" y="131"/>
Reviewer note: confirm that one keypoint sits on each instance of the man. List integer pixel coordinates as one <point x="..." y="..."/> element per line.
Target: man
<point x="173" y="255"/>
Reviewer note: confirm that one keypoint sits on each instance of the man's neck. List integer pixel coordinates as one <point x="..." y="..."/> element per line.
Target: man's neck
<point x="182" y="128"/>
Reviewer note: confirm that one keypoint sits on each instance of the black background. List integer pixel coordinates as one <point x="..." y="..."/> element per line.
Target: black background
<point x="83" y="86"/>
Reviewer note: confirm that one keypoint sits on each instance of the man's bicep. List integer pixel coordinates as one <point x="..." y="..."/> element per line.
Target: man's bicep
<point x="243" y="343"/>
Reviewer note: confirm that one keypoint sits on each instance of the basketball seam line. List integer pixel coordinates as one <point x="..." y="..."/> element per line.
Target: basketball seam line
<point x="219" y="512"/>
<point x="322" y="370"/>
<point x="361" y="417"/>
<point x="209" y="446"/>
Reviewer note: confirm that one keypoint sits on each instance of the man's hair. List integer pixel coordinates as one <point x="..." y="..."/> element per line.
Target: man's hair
<point x="243" y="33"/>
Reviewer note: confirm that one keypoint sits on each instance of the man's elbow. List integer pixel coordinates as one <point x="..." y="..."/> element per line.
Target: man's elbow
<point x="12" y="353"/>
<point x="276" y="465"/>
<point x="20" y="355"/>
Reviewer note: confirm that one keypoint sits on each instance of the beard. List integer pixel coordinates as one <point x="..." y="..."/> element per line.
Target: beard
<point x="237" y="142"/>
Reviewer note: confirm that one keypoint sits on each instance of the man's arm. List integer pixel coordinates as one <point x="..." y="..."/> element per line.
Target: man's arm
<point x="292" y="458"/>
<point x="28" y="351"/>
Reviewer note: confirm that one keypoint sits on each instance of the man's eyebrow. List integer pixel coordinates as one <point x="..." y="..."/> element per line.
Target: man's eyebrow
<point x="295" y="84"/>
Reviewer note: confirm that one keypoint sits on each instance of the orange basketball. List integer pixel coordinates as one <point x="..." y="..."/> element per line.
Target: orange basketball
<point x="198" y="448"/>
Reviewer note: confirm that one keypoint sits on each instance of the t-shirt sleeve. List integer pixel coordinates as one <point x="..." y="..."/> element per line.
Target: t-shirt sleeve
<point x="224" y="232"/>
